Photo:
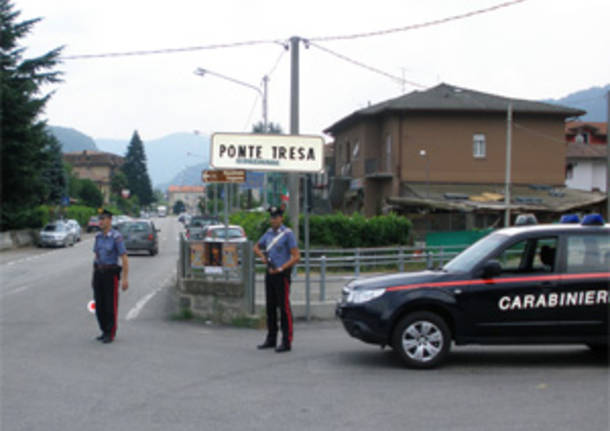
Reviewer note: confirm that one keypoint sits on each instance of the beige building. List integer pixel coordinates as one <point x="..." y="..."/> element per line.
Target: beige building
<point x="427" y="150"/>
<point x="96" y="166"/>
<point x="189" y="195"/>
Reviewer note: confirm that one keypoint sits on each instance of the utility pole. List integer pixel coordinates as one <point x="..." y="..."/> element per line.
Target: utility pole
<point x="607" y="156"/>
<point x="293" y="179"/>
<point x="265" y="191"/>
<point x="509" y="129"/>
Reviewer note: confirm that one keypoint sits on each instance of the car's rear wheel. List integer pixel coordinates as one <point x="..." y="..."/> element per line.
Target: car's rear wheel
<point x="422" y="339"/>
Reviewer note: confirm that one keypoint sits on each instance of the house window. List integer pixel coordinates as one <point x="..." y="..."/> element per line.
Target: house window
<point x="478" y="146"/>
<point x="356" y="150"/>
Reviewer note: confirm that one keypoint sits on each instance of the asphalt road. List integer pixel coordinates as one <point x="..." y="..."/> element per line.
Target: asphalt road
<point x="161" y="374"/>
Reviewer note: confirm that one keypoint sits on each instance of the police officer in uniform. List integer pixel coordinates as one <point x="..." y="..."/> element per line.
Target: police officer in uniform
<point x="108" y="247"/>
<point x="278" y="249"/>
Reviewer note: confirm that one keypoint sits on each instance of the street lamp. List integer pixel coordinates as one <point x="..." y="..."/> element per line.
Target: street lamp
<point x="263" y="93"/>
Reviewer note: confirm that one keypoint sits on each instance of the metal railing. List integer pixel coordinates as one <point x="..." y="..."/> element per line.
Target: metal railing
<point x="326" y="266"/>
<point x="332" y="265"/>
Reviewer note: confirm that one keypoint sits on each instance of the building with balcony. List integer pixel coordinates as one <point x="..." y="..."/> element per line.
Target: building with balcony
<point x="443" y="152"/>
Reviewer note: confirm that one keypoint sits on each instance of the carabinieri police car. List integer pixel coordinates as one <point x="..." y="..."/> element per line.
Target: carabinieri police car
<point x="544" y="284"/>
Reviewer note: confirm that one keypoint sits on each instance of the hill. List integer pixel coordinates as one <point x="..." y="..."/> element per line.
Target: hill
<point x="592" y="100"/>
<point x="72" y="140"/>
<point x="167" y="155"/>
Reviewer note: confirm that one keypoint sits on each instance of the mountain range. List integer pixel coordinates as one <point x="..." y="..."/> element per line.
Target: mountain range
<point x="179" y="158"/>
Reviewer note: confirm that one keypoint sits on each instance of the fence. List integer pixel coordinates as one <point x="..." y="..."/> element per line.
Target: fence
<point x="321" y="267"/>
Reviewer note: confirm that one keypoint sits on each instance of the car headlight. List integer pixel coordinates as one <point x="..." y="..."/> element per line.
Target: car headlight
<point x="360" y="296"/>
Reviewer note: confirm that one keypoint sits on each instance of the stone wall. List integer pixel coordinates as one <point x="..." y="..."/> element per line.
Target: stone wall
<point x="18" y="238"/>
<point x="219" y="301"/>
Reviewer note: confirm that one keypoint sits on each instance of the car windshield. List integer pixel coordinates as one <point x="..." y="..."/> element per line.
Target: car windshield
<point x="233" y="233"/>
<point x="467" y="259"/>
<point x="54" y="228"/>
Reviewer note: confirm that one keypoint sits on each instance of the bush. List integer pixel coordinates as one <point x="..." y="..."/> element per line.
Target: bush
<point x="79" y="213"/>
<point x="335" y="230"/>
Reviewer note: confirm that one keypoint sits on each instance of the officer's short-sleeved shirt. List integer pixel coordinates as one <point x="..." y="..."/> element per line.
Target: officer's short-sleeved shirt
<point x="280" y="252"/>
<point x="108" y="247"/>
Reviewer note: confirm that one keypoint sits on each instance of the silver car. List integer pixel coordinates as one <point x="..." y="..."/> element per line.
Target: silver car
<point x="56" y="234"/>
<point x="75" y="228"/>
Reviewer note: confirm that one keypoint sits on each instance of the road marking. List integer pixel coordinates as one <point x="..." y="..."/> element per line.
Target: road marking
<point x="17" y="290"/>
<point x="135" y="311"/>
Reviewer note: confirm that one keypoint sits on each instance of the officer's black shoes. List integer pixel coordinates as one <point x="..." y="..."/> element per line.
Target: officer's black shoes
<point x="107" y="339"/>
<point x="283" y="348"/>
<point x="268" y="344"/>
<point x="100" y="337"/>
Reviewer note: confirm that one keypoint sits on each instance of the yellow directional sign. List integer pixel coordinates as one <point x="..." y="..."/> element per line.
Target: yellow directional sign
<point x="224" y="176"/>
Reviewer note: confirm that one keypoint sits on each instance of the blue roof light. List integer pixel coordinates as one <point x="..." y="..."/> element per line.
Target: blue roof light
<point x="592" y="220"/>
<point x="569" y="218"/>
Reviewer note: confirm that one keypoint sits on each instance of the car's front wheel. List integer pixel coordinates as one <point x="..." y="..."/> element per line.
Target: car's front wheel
<point x="422" y="339"/>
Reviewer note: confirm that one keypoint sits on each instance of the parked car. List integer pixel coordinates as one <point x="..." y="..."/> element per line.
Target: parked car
<point x="540" y="284"/>
<point x="140" y="235"/>
<point x="56" y="234"/>
<point x="75" y="228"/>
<point x="198" y="224"/>
<point x="217" y="232"/>
<point x="184" y="218"/>
<point x="93" y="224"/>
<point x="118" y="219"/>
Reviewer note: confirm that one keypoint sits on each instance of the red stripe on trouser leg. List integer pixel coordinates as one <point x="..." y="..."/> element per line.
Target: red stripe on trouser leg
<point x="287" y="308"/>
<point x="115" y="305"/>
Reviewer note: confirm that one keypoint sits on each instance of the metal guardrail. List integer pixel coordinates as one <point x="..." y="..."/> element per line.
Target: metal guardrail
<point x="325" y="265"/>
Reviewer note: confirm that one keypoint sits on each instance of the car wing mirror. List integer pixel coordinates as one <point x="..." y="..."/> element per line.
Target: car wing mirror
<point x="491" y="268"/>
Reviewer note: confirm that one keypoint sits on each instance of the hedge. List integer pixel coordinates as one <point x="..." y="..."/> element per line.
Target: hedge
<point x="336" y="230"/>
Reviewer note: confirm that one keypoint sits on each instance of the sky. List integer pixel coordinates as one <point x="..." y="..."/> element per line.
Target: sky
<point x="530" y="49"/>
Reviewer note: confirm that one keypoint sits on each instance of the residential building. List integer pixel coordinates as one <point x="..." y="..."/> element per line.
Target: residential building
<point x="586" y="132"/>
<point x="586" y="166"/>
<point x="189" y="195"/>
<point x="96" y="166"/>
<point x="440" y="155"/>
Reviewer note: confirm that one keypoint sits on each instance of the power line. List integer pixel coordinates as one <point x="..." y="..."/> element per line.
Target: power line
<point x="539" y="134"/>
<point x="365" y="66"/>
<point x="171" y="50"/>
<point x="421" y="25"/>
<point x="283" y="43"/>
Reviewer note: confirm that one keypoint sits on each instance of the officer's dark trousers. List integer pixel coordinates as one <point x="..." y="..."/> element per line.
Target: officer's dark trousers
<point x="106" y="295"/>
<point x="277" y="295"/>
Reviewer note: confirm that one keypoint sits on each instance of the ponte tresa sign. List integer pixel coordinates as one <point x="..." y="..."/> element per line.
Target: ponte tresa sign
<point x="259" y="152"/>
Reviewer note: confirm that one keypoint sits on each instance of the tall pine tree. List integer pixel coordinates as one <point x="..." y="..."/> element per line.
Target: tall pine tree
<point x="136" y="172"/>
<point x="25" y="143"/>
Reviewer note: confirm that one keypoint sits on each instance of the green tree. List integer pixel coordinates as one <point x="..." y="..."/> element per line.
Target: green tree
<point x="136" y="172"/>
<point x="118" y="183"/>
<point x="90" y="194"/>
<point x="54" y="175"/>
<point x="24" y="140"/>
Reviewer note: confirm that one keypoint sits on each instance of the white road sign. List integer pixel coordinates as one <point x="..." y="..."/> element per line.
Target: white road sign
<point x="259" y="152"/>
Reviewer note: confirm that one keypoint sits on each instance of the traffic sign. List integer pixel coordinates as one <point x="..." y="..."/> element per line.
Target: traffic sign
<point x="224" y="176"/>
<point x="262" y="152"/>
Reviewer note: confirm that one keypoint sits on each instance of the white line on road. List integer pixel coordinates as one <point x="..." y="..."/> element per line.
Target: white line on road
<point x="17" y="290"/>
<point x="135" y="311"/>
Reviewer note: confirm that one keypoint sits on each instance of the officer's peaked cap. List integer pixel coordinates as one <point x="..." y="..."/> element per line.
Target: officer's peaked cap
<point x="103" y="212"/>
<point x="276" y="211"/>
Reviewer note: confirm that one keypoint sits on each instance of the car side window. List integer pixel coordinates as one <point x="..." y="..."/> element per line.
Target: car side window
<point x="532" y="255"/>
<point x="588" y="253"/>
